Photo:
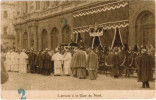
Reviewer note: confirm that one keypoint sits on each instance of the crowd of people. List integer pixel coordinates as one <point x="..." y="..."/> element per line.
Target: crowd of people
<point x="83" y="63"/>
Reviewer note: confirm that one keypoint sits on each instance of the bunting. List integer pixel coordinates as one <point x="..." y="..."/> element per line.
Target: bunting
<point x="104" y="26"/>
<point x="101" y="8"/>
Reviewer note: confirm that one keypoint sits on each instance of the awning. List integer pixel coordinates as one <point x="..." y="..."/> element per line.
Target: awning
<point x="106" y="15"/>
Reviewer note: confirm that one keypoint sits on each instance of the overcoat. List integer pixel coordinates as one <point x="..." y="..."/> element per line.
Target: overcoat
<point x="144" y="64"/>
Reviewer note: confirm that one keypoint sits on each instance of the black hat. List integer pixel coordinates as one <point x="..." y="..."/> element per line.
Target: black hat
<point x="135" y="48"/>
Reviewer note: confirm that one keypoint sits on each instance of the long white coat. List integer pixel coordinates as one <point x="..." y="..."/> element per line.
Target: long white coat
<point x="23" y="62"/>
<point x="67" y="60"/>
<point x="8" y="61"/>
<point x="14" y="61"/>
<point x="57" y="58"/>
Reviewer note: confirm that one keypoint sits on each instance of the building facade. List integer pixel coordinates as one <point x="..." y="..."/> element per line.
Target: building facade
<point x="45" y="24"/>
<point x="8" y="11"/>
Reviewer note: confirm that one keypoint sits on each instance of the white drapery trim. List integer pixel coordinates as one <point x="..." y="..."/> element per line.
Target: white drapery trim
<point x="108" y="25"/>
<point x="101" y="8"/>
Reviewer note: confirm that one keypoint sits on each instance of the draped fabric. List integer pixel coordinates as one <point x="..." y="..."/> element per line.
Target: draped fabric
<point x="117" y="41"/>
<point x="114" y="15"/>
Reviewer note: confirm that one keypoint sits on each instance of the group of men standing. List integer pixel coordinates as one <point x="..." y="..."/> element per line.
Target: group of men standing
<point x="16" y="61"/>
<point x="81" y="62"/>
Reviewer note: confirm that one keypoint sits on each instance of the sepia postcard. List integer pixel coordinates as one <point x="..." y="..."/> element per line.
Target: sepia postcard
<point x="77" y="49"/>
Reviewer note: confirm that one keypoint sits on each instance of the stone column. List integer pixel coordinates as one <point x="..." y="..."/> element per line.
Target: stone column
<point x="16" y="38"/>
<point x="29" y="38"/>
<point x="20" y="40"/>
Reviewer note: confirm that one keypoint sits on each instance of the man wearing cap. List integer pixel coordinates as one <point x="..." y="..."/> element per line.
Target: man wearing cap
<point x="144" y="64"/>
<point x="23" y="62"/>
<point x="57" y="58"/>
<point x="92" y="65"/>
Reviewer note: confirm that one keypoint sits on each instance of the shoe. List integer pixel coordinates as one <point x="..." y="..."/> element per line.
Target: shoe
<point x="143" y="87"/>
<point x="147" y="86"/>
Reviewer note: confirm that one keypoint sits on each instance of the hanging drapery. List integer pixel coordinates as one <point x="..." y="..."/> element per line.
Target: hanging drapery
<point x="117" y="40"/>
<point x="104" y="26"/>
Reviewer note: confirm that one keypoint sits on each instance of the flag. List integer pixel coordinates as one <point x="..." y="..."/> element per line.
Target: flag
<point x="117" y="40"/>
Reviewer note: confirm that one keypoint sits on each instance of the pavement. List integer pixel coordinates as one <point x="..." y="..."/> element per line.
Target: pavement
<point x="30" y="81"/>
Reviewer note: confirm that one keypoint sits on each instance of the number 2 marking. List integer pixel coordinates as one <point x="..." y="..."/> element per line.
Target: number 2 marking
<point x="23" y="97"/>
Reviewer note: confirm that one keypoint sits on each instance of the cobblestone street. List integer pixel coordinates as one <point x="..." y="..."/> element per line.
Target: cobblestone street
<point x="39" y="82"/>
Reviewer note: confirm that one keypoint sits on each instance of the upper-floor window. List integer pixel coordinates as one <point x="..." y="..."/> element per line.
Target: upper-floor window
<point x="5" y="14"/>
<point x="37" y="5"/>
<point x="25" y="4"/>
<point x="46" y="4"/>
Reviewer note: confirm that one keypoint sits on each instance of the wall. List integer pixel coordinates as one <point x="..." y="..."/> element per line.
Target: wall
<point x="135" y="8"/>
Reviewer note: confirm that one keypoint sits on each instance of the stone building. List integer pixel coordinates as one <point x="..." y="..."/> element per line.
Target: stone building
<point x="45" y="24"/>
<point x="8" y="11"/>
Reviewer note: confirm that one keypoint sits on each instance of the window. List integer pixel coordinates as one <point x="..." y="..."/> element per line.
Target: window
<point x="5" y="14"/>
<point x="5" y="30"/>
<point x="37" y="5"/>
<point x="46" y="4"/>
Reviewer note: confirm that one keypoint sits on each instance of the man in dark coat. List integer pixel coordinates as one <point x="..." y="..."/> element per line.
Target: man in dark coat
<point x="38" y="61"/>
<point x="31" y="58"/>
<point x="144" y="64"/>
<point x="4" y="73"/>
<point x="47" y="63"/>
<point x="41" y="63"/>
<point x="116" y="63"/>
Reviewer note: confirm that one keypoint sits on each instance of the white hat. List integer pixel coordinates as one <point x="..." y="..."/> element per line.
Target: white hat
<point x="56" y="49"/>
<point x="143" y="51"/>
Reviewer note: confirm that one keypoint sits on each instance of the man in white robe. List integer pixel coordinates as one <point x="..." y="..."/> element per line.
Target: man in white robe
<point x="23" y="62"/>
<point x="67" y="60"/>
<point x="57" y="58"/>
<point x="14" y="61"/>
<point x="8" y="60"/>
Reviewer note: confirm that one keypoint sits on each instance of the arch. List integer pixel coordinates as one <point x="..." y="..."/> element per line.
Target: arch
<point x="145" y="28"/>
<point x="54" y="37"/>
<point x="66" y="34"/>
<point x="44" y="39"/>
<point x="25" y="40"/>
